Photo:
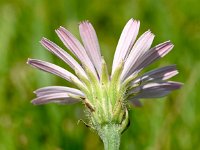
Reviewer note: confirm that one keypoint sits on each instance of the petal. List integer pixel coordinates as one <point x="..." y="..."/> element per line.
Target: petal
<point x="155" y="90"/>
<point x="163" y="73"/>
<point x="153" y="93"/>
<point x="152" y="55"/>
<point x="58" y="89"/>
<point x="126" y="41"/>
<point x="54" y="69"/>
<point x="155" y="53"/>
<point x="136" y="102"/>
<point x="75" y="47"/>
<point x="91" y="44"/>
<point x="62" y="54"/>
<point x="139" y="49"/>
<point x="62" y="98"/>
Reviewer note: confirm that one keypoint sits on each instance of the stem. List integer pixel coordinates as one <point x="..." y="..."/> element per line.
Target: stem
<point x="110" y="135"/>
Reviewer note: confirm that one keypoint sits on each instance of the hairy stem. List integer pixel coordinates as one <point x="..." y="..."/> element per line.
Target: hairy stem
<point x="110" y="135"/>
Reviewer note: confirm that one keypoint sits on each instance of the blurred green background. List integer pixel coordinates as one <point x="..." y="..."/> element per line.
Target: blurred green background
<point x="171" y="123"/>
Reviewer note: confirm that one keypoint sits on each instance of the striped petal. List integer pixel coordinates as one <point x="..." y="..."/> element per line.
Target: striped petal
<point x="139" y="49"/>
<point x="75" y="47"/>
<point x="62" y="54"/>
<point x="163" y="73"/>
<point x="54" y="69"/>
<point x="155" y="90"/>
<point x="91" y="44"/>
<point x="58" y="89"/>
<point x="126" y="42"/>
<point x="152" y="55"/>
<point x="61" y="98"/>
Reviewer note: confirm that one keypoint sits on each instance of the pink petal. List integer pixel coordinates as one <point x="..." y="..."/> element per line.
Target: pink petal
<point x="163" y="73"/>
<point x="61" y="98"/>
<point x="155" y="90"/>
<point x="54" y="69"/>
<point x="91" y="44"/>
<point x="75" y="47"/>
<point x="153" y="93"/>
<point x="136" y="102"/>
<point x="151" y="55"/>
<point x="139" y="49"/>
<point x="62" y="54"/>
<point x="126" y="42"/>
<point x="58" y="89"/>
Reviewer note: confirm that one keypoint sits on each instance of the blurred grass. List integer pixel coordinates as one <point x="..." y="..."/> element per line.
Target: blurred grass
<point x="172" y="123"/>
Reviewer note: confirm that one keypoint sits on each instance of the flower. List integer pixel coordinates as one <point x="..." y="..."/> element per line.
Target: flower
<point x="106" y="96"/>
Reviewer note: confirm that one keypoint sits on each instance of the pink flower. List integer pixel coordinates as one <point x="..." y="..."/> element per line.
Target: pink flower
<point x="135" y="54"/>
<point x="106" y="96"/>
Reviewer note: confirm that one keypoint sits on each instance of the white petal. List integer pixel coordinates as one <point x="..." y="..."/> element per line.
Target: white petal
<point x="54" y="69"/>
<point x="126" y="42"/>
<point x="62" y="54"/>
<point x="62" y="98"/>
<point x="75" y="47"/>
<point x="163" y="73"/>
<point x="91" y="44"/>
<point x="58" y="89"/>
<point x="139" y="49"/>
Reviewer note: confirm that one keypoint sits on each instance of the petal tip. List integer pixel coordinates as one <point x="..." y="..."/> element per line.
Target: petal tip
<point x="34" y="102"/>
<point x="43" y="40"/>
<point x="28" y="61"/>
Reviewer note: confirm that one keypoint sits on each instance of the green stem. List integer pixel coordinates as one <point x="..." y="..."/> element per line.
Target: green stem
<point x="110" y="135"/>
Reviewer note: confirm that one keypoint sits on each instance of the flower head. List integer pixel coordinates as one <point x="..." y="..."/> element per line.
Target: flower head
<point x="105" y="96"/>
